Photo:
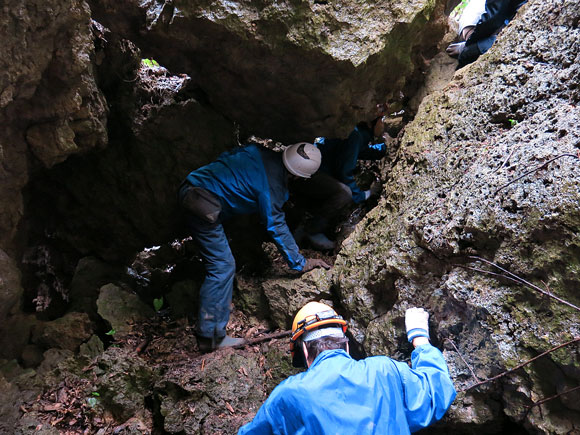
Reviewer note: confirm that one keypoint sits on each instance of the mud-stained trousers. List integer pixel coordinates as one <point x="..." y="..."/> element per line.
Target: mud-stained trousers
<point x="216" y="290"/>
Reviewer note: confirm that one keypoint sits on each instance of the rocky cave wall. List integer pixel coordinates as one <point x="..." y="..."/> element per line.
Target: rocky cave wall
<point x="96" y="142"/>
<point x="487" y="171"/>
<point x="314" y="60"/>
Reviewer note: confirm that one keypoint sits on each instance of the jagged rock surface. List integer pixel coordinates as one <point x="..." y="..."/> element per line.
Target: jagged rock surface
<point x="455" y="194"/>
<point x="313" y="61"/>
<point x="69" y="87"/>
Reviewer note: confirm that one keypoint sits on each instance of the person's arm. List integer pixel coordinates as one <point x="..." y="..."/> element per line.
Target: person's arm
<point x="427" y="386"/>
<point x="260" y="425"/>
<point x="274" y="219"/>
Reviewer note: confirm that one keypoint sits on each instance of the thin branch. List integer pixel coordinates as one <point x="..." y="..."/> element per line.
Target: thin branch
<point x="488" y="272"/>
<point x="519" y="366"/>
<point x="266" y="337"/>
<point x="534" y="170"/>
<point x="547" y="399"/>
<point x="523" y="281"/>
<point x="142" y="345"/>
<point x="463" y="359"/>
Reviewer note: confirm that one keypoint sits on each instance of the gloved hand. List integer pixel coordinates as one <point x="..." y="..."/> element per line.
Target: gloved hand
<point x="454" y="50"/>
<point x="416" y="323"/>
<point x="312" y="263"/>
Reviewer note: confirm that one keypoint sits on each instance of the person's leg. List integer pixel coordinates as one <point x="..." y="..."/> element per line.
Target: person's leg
<point x="329" y="199"/>
<point x="216" y="290"/>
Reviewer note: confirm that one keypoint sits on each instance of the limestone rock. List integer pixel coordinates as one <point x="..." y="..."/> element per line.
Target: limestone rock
<point x="47" y="74"/>
<point x="31" y="356"/>
<point x="488" y="170"/>
<point x="10" y="287"/>
<point x="121" y="308"/>
<point x="92" y="348"/>
<point x="52" y="358"/>
<point x="124" y="381"/>
<point x="287" y="295"/>
<point x="18" y="330"/>
<point x="89" y="276"/>
<point x="10" y="400"/>
<point x="67" y="332"/>
<point x="274" y="66"/>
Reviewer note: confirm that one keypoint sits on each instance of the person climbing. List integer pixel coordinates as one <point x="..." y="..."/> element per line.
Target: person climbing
<point x="249" y="179"/>
<point x="328" y="192"/>
<point x="337" y="394"/>
<point x="479" y="25"/>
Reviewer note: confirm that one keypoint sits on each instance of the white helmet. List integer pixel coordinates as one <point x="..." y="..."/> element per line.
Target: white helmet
<point x="302" y="159"/>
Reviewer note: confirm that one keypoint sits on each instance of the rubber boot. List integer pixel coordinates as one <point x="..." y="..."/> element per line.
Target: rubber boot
<point x="205" y="344"/>
<point x="468" y="55"/>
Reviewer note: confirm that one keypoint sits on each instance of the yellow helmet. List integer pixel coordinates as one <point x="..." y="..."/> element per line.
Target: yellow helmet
<point x="312" y="316"/>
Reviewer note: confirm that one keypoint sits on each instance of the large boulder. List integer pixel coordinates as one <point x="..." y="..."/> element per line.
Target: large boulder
<point x="290" y="70"/>
<point x="479" y="224"/>
<point x="67" y="332"/>
<point x="121" y="308"/>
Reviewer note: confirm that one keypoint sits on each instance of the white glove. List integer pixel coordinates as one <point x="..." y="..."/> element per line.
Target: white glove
<point x="416" y="323"/>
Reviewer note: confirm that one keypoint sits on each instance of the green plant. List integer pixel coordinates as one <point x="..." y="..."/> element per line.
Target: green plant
<point x="512" y="122"/>
<point x="111" y="332"/>
<point x="158" y="303"/>
<point x="149" y="62"/>
<point x="92" y="401"/>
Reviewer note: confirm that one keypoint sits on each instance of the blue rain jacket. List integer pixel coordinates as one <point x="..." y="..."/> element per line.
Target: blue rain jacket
<point x="339" y="157"/>
<point x="376" y="395"/>
<point x="252" y="179"/>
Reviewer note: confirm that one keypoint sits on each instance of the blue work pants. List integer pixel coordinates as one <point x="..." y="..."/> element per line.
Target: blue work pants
<point x="215" y="294"/>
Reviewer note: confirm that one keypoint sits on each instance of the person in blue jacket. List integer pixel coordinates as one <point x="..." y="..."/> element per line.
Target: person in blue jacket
<point x="338" y="395"/>
<point x="333" y="187"/>
<point x="479" y="26"/>
<point x="249" y="179"/>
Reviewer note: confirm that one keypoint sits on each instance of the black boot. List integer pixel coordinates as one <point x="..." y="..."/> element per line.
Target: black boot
<point x="468" y="55"/>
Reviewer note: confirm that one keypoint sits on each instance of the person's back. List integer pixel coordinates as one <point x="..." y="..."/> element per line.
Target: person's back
<point x="237" y="177"/>
<point x="339" y="395"/>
